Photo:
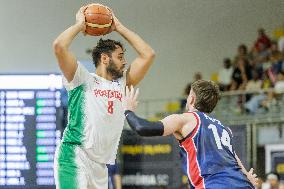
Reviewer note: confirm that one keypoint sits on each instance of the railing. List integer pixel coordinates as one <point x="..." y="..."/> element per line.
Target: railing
<point x="230" y="108"/>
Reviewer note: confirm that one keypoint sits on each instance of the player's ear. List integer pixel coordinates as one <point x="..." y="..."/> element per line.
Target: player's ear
<point x="192" y="100"/>
<point x="104" y="58"/>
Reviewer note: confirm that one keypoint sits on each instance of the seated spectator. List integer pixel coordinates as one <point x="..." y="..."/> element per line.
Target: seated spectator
<point x="273" y="47"/>
<point x="254" y="103"/>
<point x="262" y="40"/>
<point x="259" y="183"/>
<point x="266" y="82"/>
<point x="278" y="62"/>
<point x="262" y="67"/>
<point x="272" y="181"/>
<point x="281" y="44"/>
<point x="255" y="83"/>
<point x="242" y="54"/>
<point x="262" y="53"/>
<point x="240" y="75"/>
<point x="225" y="75"/>
<point x="265" y="100"/>
<point x="279" y="85"/>
<point x="277" y="65"/>
<point x="278" y="90"/>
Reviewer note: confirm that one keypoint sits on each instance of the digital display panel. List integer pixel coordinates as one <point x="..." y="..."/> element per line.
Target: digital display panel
<point x="30" y="129"/>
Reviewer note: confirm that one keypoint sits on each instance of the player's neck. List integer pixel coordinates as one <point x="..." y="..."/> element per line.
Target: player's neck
<point x="103" y="73"/>
<point x="192" y="109"/>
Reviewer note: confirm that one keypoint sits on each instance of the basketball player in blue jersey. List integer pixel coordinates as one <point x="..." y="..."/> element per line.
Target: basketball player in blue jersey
<point x="95" y="109"/>
<point x="211" y="160"/>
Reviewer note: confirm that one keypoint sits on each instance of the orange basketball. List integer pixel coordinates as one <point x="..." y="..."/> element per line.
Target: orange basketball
<point x="98" y="19"/>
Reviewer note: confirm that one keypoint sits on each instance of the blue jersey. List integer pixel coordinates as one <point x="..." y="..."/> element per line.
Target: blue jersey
<point x="211" y="162"/>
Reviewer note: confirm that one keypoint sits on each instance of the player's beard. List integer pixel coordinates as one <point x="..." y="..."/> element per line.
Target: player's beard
<point x="113" y="70"/>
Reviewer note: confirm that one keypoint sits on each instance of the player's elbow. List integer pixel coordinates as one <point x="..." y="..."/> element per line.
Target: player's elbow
<point x="150" y="54"/>
<point x="58" y="47"/>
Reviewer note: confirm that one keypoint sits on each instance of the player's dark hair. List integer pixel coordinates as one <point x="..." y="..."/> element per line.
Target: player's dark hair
<point x="106" y="46"/>
<point x="207" y="95"/>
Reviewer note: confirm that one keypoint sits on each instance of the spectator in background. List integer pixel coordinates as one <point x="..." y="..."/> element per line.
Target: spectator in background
<point x="240" y="75"/>
<point x="242" y="54"/>
<point x="272" y="181"/>
<point x="278" y="91"/>
<point x="263" y="100"/>
<point x="255" y="83"/>
<point x="114" y="178"/>
<point x="263" y="41"/>
<point x="279" y="61"/>
<point x="261" y="54"/>
<point x="259" y="183"/>
<point x="279" y="85"/>
<point x="281" y="44"/>
<point x="261" y="49"/>
<point x="263" y="66"/>
<point x="277" y="65"/>
<point x="225" y="75"/>
<point x="273" y="47"/>
<point x="266" y="82"/>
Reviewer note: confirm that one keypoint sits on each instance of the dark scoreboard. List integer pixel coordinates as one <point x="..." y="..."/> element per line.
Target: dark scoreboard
<point x="30" y="128"/>
<point x="150" y="162"/>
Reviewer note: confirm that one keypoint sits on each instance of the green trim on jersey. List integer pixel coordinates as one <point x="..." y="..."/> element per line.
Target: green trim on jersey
<point x="67" y="167"/>
<point x="75" y="127"/>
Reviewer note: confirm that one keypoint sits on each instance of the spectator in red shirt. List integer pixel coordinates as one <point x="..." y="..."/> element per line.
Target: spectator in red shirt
<point x="262" y="41"/>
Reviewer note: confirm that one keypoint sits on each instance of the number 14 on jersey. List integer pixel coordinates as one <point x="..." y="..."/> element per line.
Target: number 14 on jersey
<point x="225" y="138"/>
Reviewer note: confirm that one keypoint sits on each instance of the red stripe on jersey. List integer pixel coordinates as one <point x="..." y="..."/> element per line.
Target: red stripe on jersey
<point x="193" y="169"/>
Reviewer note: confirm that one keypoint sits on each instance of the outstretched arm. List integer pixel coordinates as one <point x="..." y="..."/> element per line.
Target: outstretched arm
<point x="143" y="127"/>
<point x="142" y="63"/>
<point x="66" y="60"/>
<point x="250" y="175"/>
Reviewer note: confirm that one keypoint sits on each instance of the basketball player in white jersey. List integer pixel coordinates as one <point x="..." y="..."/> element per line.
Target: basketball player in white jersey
<point x="95" y="110"/>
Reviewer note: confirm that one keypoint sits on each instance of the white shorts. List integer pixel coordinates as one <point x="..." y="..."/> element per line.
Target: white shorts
<point x="74" y="170"/>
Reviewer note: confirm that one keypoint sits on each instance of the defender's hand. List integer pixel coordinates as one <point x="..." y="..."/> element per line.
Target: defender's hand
<point x="131" y="98"/>
<point x="252" y="177"/>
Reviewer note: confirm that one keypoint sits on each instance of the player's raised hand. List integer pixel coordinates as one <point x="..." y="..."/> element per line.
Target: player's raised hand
<point x="80" y="18"/>
<point x="131" y="98"/>
<point x="117" y="24"/>
<point x="252" y="177"/>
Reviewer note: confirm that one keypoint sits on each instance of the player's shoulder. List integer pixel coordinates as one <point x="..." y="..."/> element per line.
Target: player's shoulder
<point x="210" y="118"/>
<point x="191" y="117"/>
<point x="188" y="114"/>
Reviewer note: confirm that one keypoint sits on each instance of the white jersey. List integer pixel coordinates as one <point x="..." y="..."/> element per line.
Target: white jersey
<point x="95" y="114"/>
